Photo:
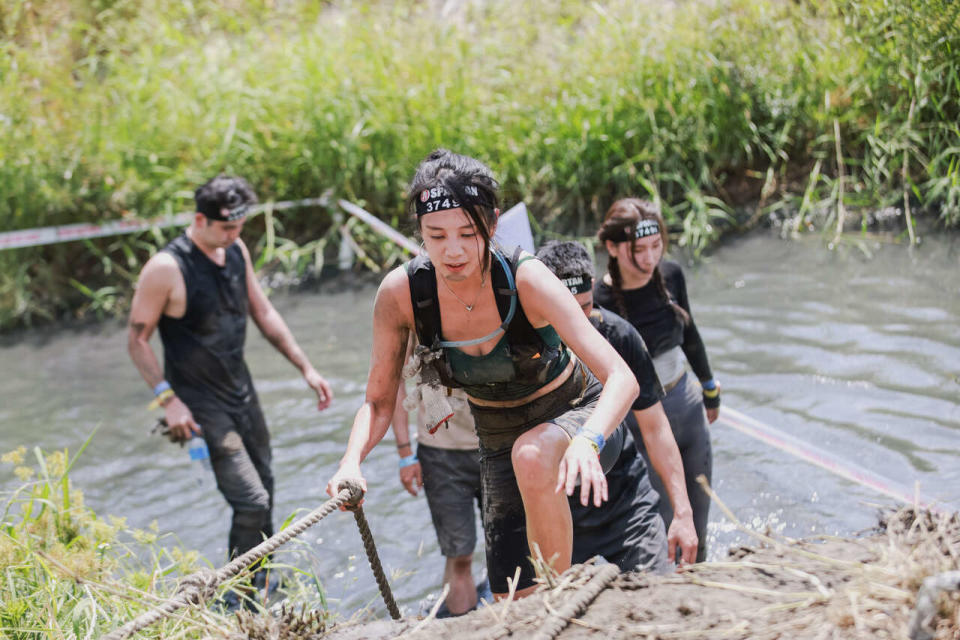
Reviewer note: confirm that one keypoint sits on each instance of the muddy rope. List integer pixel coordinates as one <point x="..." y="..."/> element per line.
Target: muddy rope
<point x="923" y="620"/>
<point x="577" y="604"/>
<point x="367" y="536"/>
<point x="202" y="585"/>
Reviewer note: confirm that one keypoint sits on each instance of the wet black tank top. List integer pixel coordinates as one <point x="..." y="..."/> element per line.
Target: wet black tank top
<point x="203" y="350"/>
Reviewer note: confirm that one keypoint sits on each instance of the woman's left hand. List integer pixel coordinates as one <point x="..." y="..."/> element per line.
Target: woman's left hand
<point x="713" y="414"/>
<point x="581" y="459"/>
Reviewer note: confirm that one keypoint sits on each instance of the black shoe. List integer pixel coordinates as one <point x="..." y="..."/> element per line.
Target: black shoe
<point x="267" y="582"/>
<point x="483" y="594"/>
<point x="443" y="612"/>
<point x="233" y="602"/>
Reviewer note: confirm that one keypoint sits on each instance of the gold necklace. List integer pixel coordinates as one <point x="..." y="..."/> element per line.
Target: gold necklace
<point x="483" y="281"/>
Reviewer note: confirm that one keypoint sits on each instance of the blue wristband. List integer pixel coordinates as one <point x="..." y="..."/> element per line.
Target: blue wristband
<point x="592" y="436"/>
<point x="162" y="386"/>
<point x="709" y="385"/>
<point x="409" y="460"/>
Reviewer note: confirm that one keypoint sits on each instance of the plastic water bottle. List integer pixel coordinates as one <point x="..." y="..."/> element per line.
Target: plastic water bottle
<point x="200" y="456"/>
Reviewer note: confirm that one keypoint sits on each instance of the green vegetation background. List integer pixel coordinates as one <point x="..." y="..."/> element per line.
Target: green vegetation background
<point x="70" y="574"/>
<point x="114" y="108"/>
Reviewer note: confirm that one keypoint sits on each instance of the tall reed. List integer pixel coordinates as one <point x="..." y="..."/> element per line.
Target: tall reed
<point x="110" y="108"/>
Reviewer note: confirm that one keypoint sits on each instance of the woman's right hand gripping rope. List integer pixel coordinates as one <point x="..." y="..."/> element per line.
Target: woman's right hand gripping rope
<point x="346" y="471"/>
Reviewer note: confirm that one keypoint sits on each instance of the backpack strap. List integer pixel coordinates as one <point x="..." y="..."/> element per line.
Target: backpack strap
<point x="423" y="296"/>
<point x="426" y="307"/>
<point x="503" y="279"/>
<point x="520" y="331"/>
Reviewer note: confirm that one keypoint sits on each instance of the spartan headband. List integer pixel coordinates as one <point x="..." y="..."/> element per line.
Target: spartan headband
<point x="216" y="212"/>
<point x="646" y="227"/>
<point x="577" y="284"/>
<point x="441" y="199"/>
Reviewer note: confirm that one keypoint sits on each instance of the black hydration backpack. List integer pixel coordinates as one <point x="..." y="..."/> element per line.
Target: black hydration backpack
<point x="531" y="357"/>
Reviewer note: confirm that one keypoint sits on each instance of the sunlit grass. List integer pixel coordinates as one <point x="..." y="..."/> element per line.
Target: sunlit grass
<point x="65" y="572"/>
<point x="110" y="108"/>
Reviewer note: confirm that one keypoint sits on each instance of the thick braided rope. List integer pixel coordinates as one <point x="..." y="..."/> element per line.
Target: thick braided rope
<point x="375" y="565"/>
<point x="265" y="548"/>
<point x="923" y="618"/>
<point x="576" y="605"/>
<point x="200" y="586"/>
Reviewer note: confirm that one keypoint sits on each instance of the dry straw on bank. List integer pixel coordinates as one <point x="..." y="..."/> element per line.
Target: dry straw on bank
<point x="824" y="588"/>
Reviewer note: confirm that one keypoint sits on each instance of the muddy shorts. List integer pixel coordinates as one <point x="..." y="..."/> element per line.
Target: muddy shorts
<point x="504" y="522"/>
<point x="451" y="480"/>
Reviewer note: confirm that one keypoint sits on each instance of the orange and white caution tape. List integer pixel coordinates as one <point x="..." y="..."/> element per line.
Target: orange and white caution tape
<point x="814" y="455"/>
<point x="69" y="232"/>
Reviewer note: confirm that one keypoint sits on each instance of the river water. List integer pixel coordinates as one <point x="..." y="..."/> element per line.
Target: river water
<point x="856" y="355"/>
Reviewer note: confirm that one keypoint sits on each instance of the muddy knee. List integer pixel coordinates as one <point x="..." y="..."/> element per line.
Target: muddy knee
<point x="535" y="457"/>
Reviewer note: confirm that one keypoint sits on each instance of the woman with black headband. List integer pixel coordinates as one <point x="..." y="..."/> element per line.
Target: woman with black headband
<point x="650" y="292"/>
<point x="509" y="333"/>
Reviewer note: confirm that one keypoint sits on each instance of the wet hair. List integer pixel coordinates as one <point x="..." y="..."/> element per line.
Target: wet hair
<point x="455" y="172"/>
<point x="566" y="259"/>
<point x="620" y="225"/>
<point x="223" y="192"/>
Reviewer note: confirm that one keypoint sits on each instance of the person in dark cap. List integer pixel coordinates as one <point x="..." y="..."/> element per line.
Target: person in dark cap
<point x="635" y="512"/>
<point x="198" y="291"/>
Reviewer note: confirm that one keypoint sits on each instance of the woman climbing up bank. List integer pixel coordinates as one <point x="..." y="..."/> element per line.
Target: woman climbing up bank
<point x="499" y="327"/>
<point x="650" y="292"/>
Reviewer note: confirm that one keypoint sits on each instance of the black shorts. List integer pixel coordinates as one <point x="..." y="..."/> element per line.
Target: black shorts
<point x="627" y="529"/>
<point x="504" y="521"/>
<point x="451" y="480"/>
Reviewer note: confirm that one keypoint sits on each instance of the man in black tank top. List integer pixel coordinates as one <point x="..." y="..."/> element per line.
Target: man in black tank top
<point x="198" y="291"/>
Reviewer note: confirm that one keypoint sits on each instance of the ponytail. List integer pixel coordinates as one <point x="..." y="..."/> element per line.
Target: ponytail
<point x="613" y="268"/>
<point x="680" y="312"/>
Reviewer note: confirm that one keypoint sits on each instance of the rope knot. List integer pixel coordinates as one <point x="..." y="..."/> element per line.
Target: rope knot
<point x="199" y="586"/>
<point x="356" y="494"/>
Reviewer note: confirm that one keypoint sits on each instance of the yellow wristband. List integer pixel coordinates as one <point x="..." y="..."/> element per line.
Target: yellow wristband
<point x="711" y="393"/>
<point x="161" y="399"/>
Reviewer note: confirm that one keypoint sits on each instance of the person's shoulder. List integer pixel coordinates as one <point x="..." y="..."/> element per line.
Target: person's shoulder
<point x="619" y="332"/>
<point x="671" y="269"/>
<point x="601" y="288"/>
<point x="161" y="265"/>
<point x="530" y="270"/>
<point x="396" y="281"/>
<point x="611" y="318"/>
<point x="159" y="277"/>
<point x="393" y="296"/>
<point x="242" y="246"/>
<point x="521" y="258"/>
<point x="616" y="325"/>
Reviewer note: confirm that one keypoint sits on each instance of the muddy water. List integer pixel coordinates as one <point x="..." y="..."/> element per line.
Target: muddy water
<point x="856" y="355"/>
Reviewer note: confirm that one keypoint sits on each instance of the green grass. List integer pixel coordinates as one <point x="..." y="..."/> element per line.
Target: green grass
<point x="110" y="108"/>
<point x="66" y="573"/>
